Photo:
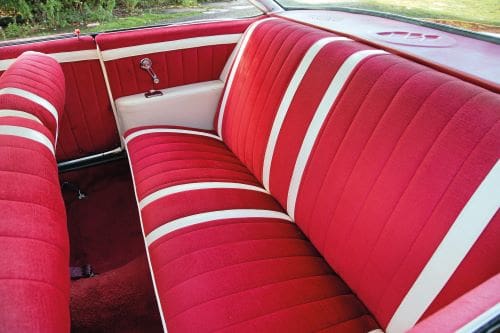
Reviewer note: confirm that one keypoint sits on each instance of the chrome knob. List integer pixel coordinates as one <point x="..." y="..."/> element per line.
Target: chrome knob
<point x="147" y="65"/>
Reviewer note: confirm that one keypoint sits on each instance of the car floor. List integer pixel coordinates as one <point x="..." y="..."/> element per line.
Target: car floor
<point x="104" y="231"/>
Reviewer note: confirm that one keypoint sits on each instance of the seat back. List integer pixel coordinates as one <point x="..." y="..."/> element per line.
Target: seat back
<point x="375" y="158"/>
<point x="34" y="245"/>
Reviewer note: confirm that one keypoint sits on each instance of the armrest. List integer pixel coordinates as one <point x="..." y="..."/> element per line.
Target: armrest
<point x="192" y="105"/>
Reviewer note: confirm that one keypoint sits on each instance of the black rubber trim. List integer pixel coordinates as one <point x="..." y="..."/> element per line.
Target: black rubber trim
<point x="37" y="39"/>
<point x="98" y="159"/>
<point x="94" y="34"/>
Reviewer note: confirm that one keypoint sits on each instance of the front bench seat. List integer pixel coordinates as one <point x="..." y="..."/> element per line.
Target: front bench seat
<point x="34" y="245"/>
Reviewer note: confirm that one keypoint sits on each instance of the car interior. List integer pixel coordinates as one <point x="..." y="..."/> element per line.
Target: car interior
<point x="297" y="171"/>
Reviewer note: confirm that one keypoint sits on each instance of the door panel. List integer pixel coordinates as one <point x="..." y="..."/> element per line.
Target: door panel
<point x="181" y="54"/>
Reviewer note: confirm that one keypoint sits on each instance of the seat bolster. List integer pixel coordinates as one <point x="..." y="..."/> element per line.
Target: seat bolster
<point x="467" y="313"/>
<point x="35" y="84"/>
<point x="34" y="244"/>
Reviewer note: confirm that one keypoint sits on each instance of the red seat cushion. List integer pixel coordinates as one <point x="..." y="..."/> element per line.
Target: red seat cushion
<point x="251" y="275"/>
<point x="232" y="274"/>
<point x="34" y="249"/>
<point x="163" y="160"/>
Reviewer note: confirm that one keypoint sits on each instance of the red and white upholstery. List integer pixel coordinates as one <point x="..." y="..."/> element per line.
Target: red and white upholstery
<point x="34" y="250"/>
<point x="87" y="125"/>
<point x="466" y="314"/>
<point x="379" y="195"/>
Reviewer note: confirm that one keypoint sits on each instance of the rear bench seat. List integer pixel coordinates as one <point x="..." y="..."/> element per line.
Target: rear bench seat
<point x="34" y="249"/>
<point x="345" y="189"/>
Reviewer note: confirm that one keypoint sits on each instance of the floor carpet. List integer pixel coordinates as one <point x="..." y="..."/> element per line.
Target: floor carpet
<point x="104" y="231"/>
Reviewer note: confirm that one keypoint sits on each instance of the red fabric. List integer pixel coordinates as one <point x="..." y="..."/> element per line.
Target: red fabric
<point x="250" y="275"/>
<point x="38" y="74"/>
<point x="49" y="46"/>
<point x="215" y="268"/>
<point x="104" y="231"/>
<point x="114" y="40"/>
<point x="271" y="57"/>
<point x="463" y="310"/>
<point x="402" y="146"/>
<point x="26" y="123"/>
<point x="87" y="125"/>
<point x="405" y="157"/>
<point x="303" y="108"/>
<point x="161" y="160"/>
<point x="174" y="68"/>
<point x="34" y="249"/>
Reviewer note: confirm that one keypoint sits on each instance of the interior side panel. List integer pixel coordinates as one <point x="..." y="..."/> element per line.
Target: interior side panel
<point x="174" y="68"/>
<point x="88" y="125"/>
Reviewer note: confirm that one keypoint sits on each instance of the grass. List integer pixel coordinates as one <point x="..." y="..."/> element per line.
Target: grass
<point x="482" y="12"/>
<point x="144" y="19"/>
<point x="137" y="19"/>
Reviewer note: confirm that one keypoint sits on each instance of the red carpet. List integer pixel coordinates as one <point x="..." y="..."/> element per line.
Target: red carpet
<point x="105" y="232"/>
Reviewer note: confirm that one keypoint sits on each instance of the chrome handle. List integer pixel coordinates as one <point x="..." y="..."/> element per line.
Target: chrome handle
<point x="147" y="65"/>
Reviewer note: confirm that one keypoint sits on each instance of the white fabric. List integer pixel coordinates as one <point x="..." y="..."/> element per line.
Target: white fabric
<point x="320" y="115"/>
<point x="287" y="100"/>
<point x="457" y="242"/>
<point x="234" y="68"/>
<point x="212" y="216"/>
<point x="151" y="271"/>
<point x="180" y="44"/>
<point x="227" y="67"/>
<point x="27" y="133"/>
<point x="196" y="186"/>
<point x="61" y="57"/>
<point x="19" y="114"/>
<point x="34" y="98"/>
<point x="191" y="105"/>
<point x="167" y="130"/>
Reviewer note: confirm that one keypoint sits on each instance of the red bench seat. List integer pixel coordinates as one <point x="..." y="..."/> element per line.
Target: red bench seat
<point x="345" y="189"/>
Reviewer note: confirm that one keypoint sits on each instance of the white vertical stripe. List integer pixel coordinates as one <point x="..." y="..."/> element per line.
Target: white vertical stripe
<point x="148" y="256"/>
<point x="287" y="100"/>
<point x="36" y="99"/>
<point x="320" y="115"/>
<point x="168" y="130"/>
<point x="229" y="62"/>
<point x="464" y="232"/>
<point x="234" y="68"/>
<point x="481" y="320"/>
<point x="212" y="216"/>
<point x="196" y="186"/>
<point x="110" y="95"/>
<point x="27" y="133"/>
<point x="19" y="114"/>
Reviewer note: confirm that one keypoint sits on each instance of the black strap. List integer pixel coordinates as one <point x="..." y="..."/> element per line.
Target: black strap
<point x="84" y="271"/>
